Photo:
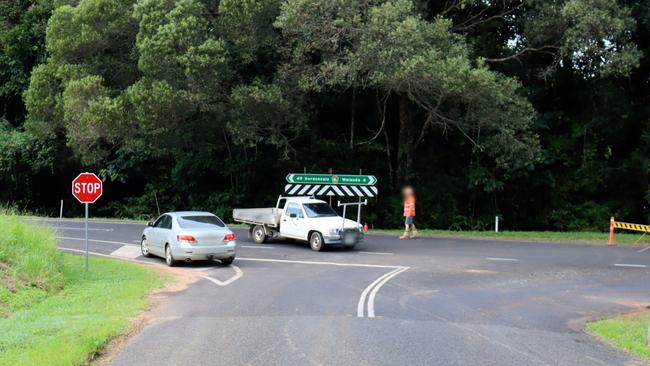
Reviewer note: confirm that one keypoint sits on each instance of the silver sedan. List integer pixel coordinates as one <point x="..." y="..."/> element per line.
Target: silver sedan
<point x="189" y="236"/>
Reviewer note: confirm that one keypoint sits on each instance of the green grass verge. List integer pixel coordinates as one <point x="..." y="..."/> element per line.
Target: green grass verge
<point x="628" y="332"/>
<point x="53" y="312"/>
<point x="546" y="236"/>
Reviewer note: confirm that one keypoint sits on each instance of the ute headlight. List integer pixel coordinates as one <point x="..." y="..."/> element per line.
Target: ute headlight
<point x="335" y="231"/>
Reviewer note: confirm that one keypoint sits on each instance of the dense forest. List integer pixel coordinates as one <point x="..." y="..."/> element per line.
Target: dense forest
<point x="536" y="110"/>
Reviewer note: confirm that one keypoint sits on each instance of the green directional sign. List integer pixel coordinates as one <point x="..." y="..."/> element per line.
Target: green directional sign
<point x="350" y="180"/>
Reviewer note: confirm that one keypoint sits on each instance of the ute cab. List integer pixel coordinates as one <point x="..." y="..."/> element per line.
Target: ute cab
<point x="302" y="218"/>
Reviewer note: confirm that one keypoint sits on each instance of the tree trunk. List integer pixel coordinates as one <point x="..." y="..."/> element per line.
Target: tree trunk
<point x="405" y="142"/>
<point x="353" y="112"/>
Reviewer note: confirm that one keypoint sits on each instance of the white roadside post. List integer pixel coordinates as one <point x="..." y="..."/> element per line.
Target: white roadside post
<point x="496" y="223"/>
<point x="61" y="211"/>
<point x="87" y="188"/>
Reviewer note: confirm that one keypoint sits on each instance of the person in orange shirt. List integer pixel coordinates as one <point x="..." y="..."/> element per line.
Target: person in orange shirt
<point x="408" y="197"/>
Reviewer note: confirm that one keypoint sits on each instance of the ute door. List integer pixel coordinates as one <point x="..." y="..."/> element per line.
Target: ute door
<point x="293" y="225"/>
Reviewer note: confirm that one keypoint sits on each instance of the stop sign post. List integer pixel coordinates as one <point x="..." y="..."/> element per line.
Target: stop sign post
<point x="87" y="188"/>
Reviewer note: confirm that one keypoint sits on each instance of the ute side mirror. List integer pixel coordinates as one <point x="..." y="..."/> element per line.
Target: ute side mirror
<point x="293" y="215"/>
<point x="150" y="223"/>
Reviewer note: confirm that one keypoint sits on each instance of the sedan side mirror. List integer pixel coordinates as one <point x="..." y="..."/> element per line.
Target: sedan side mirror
<point x="150" y="223"/>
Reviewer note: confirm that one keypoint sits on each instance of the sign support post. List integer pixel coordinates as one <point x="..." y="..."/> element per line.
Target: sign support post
<point x="86" y="230"/>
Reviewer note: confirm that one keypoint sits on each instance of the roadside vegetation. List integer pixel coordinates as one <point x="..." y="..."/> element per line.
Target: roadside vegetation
<point x="51" y="311"/>
<point x="586" y="237"/>
<point x="629" y="332"/>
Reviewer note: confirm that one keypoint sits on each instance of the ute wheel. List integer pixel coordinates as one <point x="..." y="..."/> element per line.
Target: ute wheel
<point x="169" y="258"/>
<point x="144" y="247"/>
<point x="316" y="241"/>
<point x="259" y="234"/>
<point x="227" y="261"/>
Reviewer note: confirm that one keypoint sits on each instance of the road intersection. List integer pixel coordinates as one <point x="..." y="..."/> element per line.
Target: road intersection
<point x="426" y="301"/>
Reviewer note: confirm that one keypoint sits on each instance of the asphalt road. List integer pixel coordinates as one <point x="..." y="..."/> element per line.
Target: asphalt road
<point x="388" y="302"/>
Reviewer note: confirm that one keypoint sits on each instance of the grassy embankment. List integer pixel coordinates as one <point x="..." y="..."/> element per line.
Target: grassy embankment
<point x="51" y="311"/>
<point x="629" y="332"/>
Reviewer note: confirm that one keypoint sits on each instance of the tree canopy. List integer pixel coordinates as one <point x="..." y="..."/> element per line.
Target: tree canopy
<point x="536" y="110"/>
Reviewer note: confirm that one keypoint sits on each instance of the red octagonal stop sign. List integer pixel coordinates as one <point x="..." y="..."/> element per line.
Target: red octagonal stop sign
<point x="87" y="188"/>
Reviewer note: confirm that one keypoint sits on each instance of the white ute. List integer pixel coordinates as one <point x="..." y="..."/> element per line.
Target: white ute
<point x="302" y="218"/>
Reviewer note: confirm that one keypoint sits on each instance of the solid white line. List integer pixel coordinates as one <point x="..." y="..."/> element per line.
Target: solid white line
<point x="643" y="250"/>
<point x="321" y="263"/>
<point x="364" y="294"/>
<point x="256" y="246"/>
<point x="378" y="253"/>
<point x="630" y="265"/>
<point x="371" y="298"/>
<point x="108" y="256"/>
<point x="501" y="259"/>
<point x="238" y="274"/>
<point x="97" y="241"/>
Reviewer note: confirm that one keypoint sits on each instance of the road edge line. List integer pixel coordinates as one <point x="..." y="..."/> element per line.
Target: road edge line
<point x="373" y="293"/>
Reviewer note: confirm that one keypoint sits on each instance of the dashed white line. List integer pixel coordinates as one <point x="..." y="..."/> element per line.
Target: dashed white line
<point x="256" y="246"/>
<point x="376" y="253"/>
<point x="630" y="265"/>
<point x="643" y="250"/>
<point x="501" y="259"/>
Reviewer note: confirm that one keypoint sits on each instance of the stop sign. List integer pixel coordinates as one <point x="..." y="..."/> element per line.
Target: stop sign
<point x="87" y="188"/>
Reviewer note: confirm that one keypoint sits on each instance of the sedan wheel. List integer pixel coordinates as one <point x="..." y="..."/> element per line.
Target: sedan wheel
<point x="316" y="241"/>
<point x="169" y="258"/>
<point x="144" y="247"/>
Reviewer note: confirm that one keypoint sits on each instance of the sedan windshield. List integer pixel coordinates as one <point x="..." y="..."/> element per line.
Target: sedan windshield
<point x="200" y="222"/>
<point x="319" y="210"/>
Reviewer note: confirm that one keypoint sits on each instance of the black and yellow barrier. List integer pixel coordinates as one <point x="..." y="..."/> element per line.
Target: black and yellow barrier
<point x="613" y="224"/>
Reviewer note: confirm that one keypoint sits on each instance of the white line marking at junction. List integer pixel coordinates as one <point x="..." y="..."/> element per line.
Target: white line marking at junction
<point x="256" y="246"/>
<point x="373" y="293"/>
<point x="321" y="263"/>
<point x="94" y="240"/>
<point x="127" y="251"/>
<point x="377" y="253"/>
<point x="80" y="228"/>
<point x="238" y="274"/>
<point x="107" y="256"/>
<point x="364" y="294"/>
<point x="643" y="250"/>
<point x="501" y="259"/>
<point x="630" y="265"/>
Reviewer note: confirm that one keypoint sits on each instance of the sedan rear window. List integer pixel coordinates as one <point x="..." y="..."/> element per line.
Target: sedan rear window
<point x="199" y="222"/>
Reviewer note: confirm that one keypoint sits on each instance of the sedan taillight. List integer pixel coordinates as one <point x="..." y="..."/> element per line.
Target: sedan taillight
<point x="229" y="237"/>
<point x="186" y="239"/>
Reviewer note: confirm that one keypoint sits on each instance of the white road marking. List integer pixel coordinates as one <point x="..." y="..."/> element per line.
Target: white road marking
<point x="80" y="228"/>
<point x="364" y="294"/>
<point x="643" y="250"/>
<point x="238" y="271"/>
<point x="376" y="253"/>
<point x="127" y="251"/>
<point x="501" y="259"/>
<point x="95" y="240"/>
<point x="256" y="246"/>
<point x="630" y="265"/>
<point x="319" y="263"/>
<point x="80" y="221"/>
<point x="238" y="274"/>
<point x="373" y="293"/>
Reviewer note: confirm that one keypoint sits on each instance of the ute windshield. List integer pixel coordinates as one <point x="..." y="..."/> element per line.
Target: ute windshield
<point x="319" y="210"/>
